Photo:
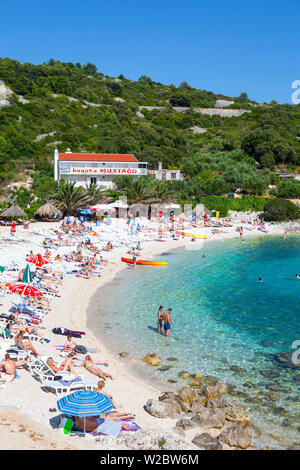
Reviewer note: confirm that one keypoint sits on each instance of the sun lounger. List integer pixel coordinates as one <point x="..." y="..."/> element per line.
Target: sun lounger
<point x="67" y="386"/>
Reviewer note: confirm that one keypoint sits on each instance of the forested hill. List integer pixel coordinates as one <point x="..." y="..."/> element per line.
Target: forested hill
<point x="71" y="105"/>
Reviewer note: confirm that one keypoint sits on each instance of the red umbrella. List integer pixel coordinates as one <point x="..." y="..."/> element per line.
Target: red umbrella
<point x="25" y="289"/>
<point x="37" y="260"/>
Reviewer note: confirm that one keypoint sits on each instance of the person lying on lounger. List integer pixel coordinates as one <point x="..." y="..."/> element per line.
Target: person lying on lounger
<point x="65" y="366"/>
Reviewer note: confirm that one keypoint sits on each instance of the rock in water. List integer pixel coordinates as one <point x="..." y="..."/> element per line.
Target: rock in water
<point x="233" y="412"/>
<point x="236" y="436"/>
<point x="161" y="409"/>
<point x="184" y="375"/>
<point x="269" y="373"/>
<point x="123" y="354"/>
<point x="209" y="418"/>
<point x="206" y="442"/>
<point x="152" y="359"/>
<point x="215" y="389"/>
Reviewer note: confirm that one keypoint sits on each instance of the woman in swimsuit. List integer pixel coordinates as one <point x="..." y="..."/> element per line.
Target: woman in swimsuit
<point x="93" y="369"/>
<point x="25" y="345"/>
<point x="65" y="366"/>
<point x="159" y="319"/>
<point x="167" y="321"/>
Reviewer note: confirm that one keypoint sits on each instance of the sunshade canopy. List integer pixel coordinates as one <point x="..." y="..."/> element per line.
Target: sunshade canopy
<point x="85" y="403"/>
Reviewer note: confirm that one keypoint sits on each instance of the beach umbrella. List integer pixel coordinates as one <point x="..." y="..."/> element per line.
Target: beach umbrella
<point x="85" y="403"/>
<point x="37" y="260"/>
<point x="103" y="208"/>
<point x="26" y="290"/>
<point x="85" y="211"/>
<point x="13" y="212"/>
<point x="49" y="210"/>
<point x="27" y="277"/>
<point x="171" y="206"/>
<point x="119" y="204"/>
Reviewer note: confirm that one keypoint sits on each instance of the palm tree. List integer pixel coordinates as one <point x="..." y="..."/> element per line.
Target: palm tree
<point x="164" y="193"/>
<point x="97" y="194"/>
<point x="141" y="191"/>
<point x="69" y="198"/>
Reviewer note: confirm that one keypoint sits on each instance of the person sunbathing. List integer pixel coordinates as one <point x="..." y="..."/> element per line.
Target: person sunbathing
<point x="66" y="365"/>
<point x="91" y="367"/>
<point x="100" y="425"/>
<point x="8" y="368"/>
<point x="25" y="345"/>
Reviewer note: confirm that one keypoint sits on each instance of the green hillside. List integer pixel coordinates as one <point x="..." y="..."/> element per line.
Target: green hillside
<point x="87" y="111"/>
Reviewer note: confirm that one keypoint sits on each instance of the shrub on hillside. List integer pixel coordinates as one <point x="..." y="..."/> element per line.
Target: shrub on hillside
<point x="281" y="210"/>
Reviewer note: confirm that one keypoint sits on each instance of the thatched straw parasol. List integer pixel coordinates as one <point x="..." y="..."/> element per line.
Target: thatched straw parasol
<point x="49" y="210"/>
<point x="13" y="212"/>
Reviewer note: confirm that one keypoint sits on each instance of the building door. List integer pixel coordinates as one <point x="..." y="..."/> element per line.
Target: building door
<point x="93" y="180"/>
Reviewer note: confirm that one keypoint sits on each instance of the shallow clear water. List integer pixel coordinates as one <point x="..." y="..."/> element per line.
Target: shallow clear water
<point x="222" y="317"/>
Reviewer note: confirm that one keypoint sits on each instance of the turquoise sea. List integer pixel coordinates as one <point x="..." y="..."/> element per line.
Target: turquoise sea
<point x="225" y="323"/>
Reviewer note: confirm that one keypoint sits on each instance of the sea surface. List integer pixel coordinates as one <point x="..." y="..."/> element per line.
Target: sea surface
<point x="225" y="324"/>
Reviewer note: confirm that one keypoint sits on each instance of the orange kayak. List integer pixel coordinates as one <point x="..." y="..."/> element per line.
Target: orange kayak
<point x="193" y="235"/>
<point x="144" y="262"/>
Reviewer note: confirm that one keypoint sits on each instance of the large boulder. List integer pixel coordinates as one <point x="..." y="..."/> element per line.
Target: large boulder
<point x="237" y="435"/>
<point x="215" y="389"/>
<point x="206" y="442"/>
<point x="161" y="409"/>
<point x="188" y="395"/>
<point x="209" y="418"/>
<point x="152" y="359"/>
<point x="232" y="412"/>
<point x="186" y="424"/>
<point x="197" y="406"/>
<point x="171" y="397"/>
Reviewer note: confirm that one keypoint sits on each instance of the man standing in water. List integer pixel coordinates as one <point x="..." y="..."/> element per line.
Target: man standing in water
<point x="159" y="319"/>
<point x="167" y="321"/>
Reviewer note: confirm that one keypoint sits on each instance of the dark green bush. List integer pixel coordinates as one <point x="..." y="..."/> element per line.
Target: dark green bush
<point x="281" y="210"/>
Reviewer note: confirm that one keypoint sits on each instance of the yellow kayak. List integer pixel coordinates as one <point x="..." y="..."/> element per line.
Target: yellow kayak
<point x="193" y="235"/>
<point x="144" y="262"/>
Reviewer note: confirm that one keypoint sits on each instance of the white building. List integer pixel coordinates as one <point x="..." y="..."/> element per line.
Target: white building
<point x="95" y="168"/>
<point x="165" y="175"/>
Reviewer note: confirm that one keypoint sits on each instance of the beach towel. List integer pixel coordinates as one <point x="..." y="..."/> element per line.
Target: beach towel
<point x="64" y="331"/>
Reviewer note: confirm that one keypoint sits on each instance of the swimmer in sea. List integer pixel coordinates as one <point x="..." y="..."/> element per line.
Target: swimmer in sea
<point x="167" y="321"/>
<point x="260" y="279"/>
<point x="159" y="319"/>
<point x="297" y="276"/>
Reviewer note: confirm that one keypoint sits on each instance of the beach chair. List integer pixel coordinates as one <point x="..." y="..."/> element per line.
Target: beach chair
<point x="43" y="372"/>
<point x="67" y="386"/>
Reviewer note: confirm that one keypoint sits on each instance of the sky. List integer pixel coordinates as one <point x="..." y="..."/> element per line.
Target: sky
<point x="226" y="46"/>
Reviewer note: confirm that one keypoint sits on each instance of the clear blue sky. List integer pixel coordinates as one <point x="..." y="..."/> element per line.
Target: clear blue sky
<point x="226" y="46"/>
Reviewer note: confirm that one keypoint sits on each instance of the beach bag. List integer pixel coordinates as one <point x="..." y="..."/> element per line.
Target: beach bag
<point x="80" y="349"/>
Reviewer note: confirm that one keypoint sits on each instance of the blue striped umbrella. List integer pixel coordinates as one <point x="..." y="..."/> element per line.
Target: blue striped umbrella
<point x="85" y="403"/>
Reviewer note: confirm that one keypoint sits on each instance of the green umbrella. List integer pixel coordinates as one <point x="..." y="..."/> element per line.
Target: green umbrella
<point x="1" y="269"/>
<point x="27" y="278"/>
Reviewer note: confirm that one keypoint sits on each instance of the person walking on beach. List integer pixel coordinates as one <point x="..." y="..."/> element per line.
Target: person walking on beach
<point x="167" y="322"/>
<point x="159" y="319"/>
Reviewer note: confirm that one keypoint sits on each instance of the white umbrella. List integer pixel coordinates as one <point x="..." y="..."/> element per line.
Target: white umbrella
<point x="119" y="204"/>
<point x="102" y="208"/>
<point x="171" y="206"/>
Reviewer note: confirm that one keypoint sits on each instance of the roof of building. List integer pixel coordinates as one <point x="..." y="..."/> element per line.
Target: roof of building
<point x="97" y="157"/>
